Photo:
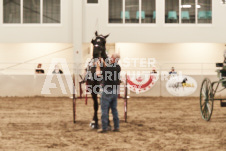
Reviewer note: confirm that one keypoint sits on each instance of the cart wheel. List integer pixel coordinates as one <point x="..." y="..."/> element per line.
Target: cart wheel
<point x="206" y="99"/>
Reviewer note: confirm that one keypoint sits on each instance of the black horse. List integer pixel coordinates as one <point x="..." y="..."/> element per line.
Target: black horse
<point x="99" y="51"/>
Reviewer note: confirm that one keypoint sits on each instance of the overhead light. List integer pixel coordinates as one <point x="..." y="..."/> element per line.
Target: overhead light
<point x="185" y="6"/>
<point x="198" y="6"/>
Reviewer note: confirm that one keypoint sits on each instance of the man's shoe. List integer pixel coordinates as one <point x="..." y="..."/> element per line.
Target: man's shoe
<point x="102" y="131"/>
<point x="115" y="130"/>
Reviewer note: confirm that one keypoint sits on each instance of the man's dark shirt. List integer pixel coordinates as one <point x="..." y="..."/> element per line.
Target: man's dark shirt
<point x="172" y="72"/>
<point x="60" y="72"/>
<point x="39" y="71"/>
<point x="111" y="76"/>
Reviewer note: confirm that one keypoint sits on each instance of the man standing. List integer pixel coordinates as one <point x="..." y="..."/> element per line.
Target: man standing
<point x="225" y="56"/>
<point x="39" y="69"/>
<point x="172" y="71"/>
<point x="109" y="96"/>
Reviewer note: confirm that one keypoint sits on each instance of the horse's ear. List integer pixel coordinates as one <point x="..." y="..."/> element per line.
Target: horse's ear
<point x="96" y="33"/>
<point x="106" y="36"/>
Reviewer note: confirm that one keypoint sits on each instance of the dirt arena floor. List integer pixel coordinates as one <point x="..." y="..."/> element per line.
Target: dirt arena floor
<point x="40" y="124"/>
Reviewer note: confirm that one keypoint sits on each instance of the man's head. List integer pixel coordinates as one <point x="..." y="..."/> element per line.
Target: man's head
<point x="39" y="65"/>
<point x="115" y="58"/>
<point x="172" y="69"/>
<point x="57" y="68"/>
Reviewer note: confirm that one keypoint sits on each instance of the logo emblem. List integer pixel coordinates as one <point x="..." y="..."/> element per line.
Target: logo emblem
<point x="141" y="84"/>
<point x="181" y="85"/>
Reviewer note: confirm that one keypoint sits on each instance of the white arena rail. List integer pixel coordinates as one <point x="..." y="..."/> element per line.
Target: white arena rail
<point x="22" y="82"/>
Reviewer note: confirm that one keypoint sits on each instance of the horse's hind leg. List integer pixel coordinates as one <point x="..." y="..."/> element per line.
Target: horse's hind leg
<point x="108" y="118"/>
<point x="95" y="107"/>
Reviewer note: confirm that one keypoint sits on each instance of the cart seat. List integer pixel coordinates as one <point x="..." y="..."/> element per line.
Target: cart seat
<point x="223" y="104"/>
<point x="223" y="76"/>
<point x="223" y="73"/>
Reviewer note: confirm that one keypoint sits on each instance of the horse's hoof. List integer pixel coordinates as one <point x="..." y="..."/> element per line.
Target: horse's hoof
<point x="93" y="125"/>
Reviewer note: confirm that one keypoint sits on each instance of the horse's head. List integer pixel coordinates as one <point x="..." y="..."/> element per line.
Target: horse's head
<point x="99" y="49"/>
